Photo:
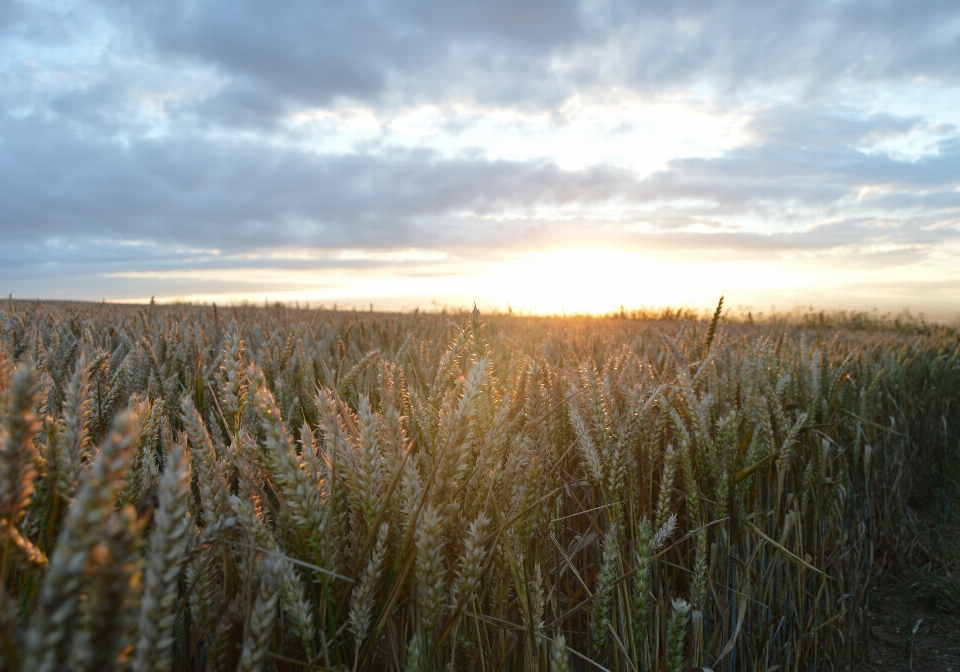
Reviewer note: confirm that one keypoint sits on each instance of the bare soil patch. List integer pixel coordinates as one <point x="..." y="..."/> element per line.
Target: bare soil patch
<point x="897" y="642"/>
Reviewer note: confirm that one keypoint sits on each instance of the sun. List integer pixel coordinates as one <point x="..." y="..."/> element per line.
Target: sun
<point x="601" y="280"/>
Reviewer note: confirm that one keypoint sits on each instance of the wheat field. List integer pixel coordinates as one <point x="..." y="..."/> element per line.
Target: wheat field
<point x="187" y="488"/>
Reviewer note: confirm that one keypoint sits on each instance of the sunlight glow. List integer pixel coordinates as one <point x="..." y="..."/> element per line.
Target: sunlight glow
<point x="572" y="281"/>
<point x="602" y="280"/>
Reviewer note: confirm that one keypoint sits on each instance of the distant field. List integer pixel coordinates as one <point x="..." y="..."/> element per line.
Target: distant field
<point x="186" y="488"/>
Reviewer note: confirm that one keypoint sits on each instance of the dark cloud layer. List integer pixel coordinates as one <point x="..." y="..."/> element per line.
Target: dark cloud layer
<point x="246" y="196"/>
<point x="742" y="43"/>
<point x="242" y="196"/>
<point x="274" y="57"/>
<point x="310" y="52"/>
<point x="508" y="50"/>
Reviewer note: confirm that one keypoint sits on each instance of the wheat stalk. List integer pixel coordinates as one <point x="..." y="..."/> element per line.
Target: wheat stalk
<point x="168" y="545"/>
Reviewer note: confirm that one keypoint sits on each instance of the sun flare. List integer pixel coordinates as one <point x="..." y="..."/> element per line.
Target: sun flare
<point x="601" y="280"/>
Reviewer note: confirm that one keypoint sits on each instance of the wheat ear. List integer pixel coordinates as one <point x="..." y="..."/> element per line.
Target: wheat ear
<point x="262" y="619"/>
<point x="104" y="641"/>
<point x="57" y="606"/>
<point x="676" y="634"/>
<point x="168" y="544"/>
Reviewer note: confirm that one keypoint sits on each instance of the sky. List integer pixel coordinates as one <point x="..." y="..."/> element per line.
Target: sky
<point x="533" y="155"/>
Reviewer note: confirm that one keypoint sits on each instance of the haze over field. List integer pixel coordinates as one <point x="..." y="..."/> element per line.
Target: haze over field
<point x="551" y="155"/>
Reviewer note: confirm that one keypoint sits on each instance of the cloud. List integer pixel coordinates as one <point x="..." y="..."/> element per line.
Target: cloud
<point x="240" y="196"/>
<point x="274" y="57"/>
<point x="9" y="14"/>
<point x="735" y="46"/>
<point x="261" y="62"/>
<point x="247" y="195"/>
<point x="802" y="158"/>
<point x="539" y="52"/>
<point x="862" y="242"/>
